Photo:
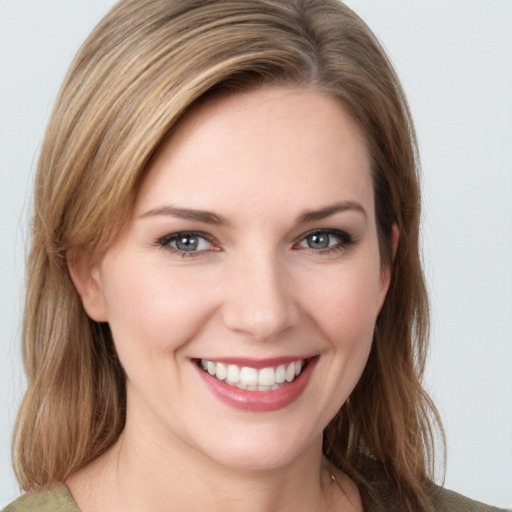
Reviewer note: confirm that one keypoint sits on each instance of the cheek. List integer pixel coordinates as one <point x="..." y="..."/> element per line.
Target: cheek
<point x="152" y="305"/>
<point x="345" y="305"/>
<point x="343" y="309"/>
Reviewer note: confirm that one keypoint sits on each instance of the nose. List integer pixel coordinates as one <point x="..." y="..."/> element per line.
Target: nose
<point x="259" y="298"/>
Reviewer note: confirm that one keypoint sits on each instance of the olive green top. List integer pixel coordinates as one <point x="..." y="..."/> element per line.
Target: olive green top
<point x="382" y="497"/>
<point x="59" y="499"/>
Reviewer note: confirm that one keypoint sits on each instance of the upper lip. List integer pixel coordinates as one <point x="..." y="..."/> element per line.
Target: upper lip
<point x="256" y="363"/>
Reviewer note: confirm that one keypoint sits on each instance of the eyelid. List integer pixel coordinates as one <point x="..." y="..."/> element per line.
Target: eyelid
<point x="345" y="240"/>
<point x="165" y="241"/>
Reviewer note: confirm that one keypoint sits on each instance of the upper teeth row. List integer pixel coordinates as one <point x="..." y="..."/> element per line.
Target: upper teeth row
<point x="247" y="376"/>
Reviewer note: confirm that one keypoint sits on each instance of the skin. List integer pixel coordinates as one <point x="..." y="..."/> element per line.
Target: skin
<point x="254" y="289"/>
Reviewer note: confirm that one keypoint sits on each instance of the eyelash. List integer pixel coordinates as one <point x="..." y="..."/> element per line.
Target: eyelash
<point x="345" y="240"/>
<point x="168" y="239"/>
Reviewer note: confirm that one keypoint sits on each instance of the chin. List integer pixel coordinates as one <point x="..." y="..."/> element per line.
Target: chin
<point x="261" y="449"/>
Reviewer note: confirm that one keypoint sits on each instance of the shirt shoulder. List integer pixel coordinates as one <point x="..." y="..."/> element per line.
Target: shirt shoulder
<point x="449" y="501"/>
<point x="385" y="496"/>
<point x="56" y="499"/>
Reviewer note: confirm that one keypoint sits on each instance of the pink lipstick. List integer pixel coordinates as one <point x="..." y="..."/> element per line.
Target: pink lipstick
<point x="258" y="386"/>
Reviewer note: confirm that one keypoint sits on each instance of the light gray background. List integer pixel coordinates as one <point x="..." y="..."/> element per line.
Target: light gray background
<point x="455" y="60"/>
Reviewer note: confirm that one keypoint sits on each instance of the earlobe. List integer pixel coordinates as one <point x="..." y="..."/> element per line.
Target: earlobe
<point x="86" y="278"/>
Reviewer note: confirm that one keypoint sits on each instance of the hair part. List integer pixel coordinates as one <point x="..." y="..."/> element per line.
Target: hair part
<point x="141" y="70"/>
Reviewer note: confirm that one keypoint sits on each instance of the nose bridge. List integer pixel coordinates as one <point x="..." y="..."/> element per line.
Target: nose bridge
<point x="259" y="296"/>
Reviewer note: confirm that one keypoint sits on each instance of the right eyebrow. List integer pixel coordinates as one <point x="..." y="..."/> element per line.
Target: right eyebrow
<point x="204" y="216"/>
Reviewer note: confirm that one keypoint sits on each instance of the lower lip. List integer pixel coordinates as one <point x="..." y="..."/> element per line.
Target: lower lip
<point x="259" y="401"/>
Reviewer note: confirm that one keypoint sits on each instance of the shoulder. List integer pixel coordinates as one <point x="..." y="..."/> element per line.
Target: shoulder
<point x="385" y="497"/>
<point x="449" y="501"/>
<point x="56" y="499"/>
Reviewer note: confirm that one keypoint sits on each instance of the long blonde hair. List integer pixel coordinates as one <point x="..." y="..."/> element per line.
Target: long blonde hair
<point x="143" y="67"/>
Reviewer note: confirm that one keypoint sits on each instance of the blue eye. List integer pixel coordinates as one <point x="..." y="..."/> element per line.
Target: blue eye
<point x="187" y="243"/>
<point x="325" y="240"/>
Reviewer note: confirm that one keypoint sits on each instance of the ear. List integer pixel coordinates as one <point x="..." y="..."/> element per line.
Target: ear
<point x="86" y="278"/>
<point x="385" y="275"/>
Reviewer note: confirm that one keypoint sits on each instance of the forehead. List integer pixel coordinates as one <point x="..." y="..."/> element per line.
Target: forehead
<point x="296" y="148"/>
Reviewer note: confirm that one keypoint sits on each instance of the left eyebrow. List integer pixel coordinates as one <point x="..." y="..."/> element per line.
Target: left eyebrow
<point x="323" y="213"/>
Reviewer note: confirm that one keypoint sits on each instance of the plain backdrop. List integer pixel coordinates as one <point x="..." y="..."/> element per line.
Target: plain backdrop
<point x="455" y="61"/>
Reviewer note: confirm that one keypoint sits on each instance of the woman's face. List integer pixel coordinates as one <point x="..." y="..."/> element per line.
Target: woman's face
<point x="251" y="257"/>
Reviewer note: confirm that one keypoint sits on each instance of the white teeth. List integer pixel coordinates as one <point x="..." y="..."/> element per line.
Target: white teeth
<point x="222" y="371"/>
<point x="290" y="372"/>
<point x="233" y="373"/>
<point x="249" y="376"/>
<point x="280" y="374"/>
<point x="266" y="377"/>
<point x="252" y="379"/>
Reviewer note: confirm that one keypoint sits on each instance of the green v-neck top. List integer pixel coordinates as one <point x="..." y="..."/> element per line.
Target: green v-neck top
<point x="56" y="499"/>
<point x="59" y="499"/>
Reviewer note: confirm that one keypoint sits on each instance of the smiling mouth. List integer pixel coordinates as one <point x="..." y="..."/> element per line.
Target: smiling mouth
<point x="254" y="379"/>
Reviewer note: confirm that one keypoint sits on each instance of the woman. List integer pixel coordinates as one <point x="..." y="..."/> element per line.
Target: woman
<point x="195" y="334"/>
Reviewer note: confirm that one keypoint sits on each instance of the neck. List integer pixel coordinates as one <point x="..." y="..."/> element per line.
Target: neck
<point x="141" y="475"/>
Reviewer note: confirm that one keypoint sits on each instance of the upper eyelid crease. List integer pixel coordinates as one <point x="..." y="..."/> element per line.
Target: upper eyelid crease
<point x="343" y="236"/>
<point x="178" y="234"/>
<point x="345" y="240"/>
<point x="165" y="242"/>
<point x="173" y="236"/>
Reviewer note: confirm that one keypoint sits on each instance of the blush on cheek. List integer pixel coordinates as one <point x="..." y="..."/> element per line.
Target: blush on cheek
<point x="161" y="303"/>
<point x="347" y="310"/>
